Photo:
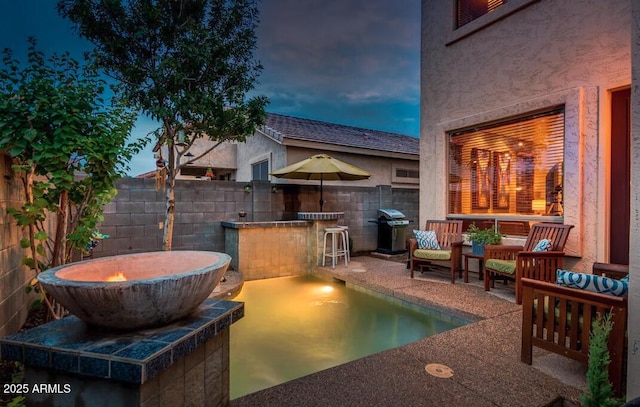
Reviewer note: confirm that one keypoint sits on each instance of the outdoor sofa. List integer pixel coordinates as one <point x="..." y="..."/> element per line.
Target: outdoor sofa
<point x="564" y="328"/>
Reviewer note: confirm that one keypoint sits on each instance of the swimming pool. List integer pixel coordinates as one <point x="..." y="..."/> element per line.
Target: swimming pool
<point x="295" y="326"/>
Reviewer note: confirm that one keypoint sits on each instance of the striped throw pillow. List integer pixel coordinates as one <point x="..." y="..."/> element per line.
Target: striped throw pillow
<point x="592" y="282"/>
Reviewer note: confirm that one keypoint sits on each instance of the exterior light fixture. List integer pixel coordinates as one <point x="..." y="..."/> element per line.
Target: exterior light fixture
<point x="247" y="188"/>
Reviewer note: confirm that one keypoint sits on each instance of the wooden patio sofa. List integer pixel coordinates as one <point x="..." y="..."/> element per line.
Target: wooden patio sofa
<point x="565" y="328"/>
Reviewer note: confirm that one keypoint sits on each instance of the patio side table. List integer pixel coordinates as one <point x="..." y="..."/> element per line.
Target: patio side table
<point x="480" y="259"/>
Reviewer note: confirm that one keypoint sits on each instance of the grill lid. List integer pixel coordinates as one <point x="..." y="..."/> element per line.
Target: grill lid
<point x="391" y="214"/>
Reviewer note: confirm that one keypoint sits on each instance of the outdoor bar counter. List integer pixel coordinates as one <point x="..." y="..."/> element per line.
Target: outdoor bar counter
<point x="277" y="248"/>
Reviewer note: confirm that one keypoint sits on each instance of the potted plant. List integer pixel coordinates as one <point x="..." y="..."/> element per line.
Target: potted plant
<point x="481" y="237"/>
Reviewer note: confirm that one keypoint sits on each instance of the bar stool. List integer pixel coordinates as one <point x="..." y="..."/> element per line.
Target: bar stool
<point x="345" y="230"/>
<point x="338" y="246"/>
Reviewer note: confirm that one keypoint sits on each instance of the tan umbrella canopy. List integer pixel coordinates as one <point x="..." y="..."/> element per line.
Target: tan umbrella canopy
<point x="324" y="168"/>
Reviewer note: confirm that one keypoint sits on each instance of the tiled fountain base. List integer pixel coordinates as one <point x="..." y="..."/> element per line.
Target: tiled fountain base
<point x="184" y="363"/>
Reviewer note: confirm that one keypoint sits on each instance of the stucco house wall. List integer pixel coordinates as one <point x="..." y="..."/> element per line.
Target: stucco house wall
<point x="381" y="168"/>
<point x="532" y="54"/>
<point x="633" y="359"/>
<point x="547" y="53"/>
<point x="257" y="148"/>
<point x="223" y="157"/>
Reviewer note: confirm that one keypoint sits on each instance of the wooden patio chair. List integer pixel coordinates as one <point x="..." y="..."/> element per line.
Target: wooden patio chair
<point x="516" y="262"/>
<point x="449" y="235"/>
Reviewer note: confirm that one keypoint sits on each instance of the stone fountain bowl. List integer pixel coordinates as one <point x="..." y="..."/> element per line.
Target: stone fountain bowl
<point x="161" y="287"/>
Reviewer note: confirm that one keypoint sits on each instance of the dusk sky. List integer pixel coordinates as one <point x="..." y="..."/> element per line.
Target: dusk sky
<point x="353" y="62"/>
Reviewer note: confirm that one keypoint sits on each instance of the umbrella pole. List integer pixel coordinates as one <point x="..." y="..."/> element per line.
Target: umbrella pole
<point x="321" y="200"/>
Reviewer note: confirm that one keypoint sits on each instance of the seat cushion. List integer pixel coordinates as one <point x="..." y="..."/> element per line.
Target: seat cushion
<point x="427" y="239"/>
<point x="432" y="254"/>
<point x="557" y="312"/>
<point x="592" y="282"/>
<point x="503" y="266"/>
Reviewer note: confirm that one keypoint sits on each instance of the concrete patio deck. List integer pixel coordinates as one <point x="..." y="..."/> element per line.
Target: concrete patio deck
<point x="484" y="355"/>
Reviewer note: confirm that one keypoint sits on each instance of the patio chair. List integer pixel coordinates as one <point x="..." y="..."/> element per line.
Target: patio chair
<point x="515" y="262"/>
<point x="449" y="253"/>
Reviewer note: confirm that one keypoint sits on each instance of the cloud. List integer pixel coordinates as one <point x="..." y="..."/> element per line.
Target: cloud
<point x="354" y="62"/>
<point x="349" y="51"/>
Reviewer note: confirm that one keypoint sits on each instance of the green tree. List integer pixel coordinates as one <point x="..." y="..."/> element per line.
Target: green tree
<point x="188" y="64"/>
<point x="67" y="146"/>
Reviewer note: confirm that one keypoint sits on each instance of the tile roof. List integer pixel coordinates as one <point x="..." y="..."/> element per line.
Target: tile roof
<point x="280" y="126"/>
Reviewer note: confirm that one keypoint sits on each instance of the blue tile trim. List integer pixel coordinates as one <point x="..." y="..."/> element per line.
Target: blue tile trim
<point x="93" y="366"/>
<point x="126" y="372"/>
<point x="38" y="357"/>
<point x="143" y="351"/>
<point x="109" y="347"/>
<point x="205" y="334"/>
<point x="223" y="323"/>
<point x="237" y="314"/>
<point x="65" y="361"/>
<point x="11" y="352"/>
<point x="184" y="347"/>
<point x="169" y="336"/>
<point x="71" y="345"/>
<point x="155" y="366"/>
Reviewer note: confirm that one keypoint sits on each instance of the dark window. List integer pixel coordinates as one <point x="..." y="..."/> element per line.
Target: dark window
<point x="400" y="173"/>
<point x="193" y="171"/>
<point x="260" y="171"/>
<point x="469" y="10"/>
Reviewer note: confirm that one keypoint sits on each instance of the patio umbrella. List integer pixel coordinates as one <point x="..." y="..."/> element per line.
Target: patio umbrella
<point x="324" y="168"/>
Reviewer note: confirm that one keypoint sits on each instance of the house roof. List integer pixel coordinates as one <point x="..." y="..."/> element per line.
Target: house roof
<point x="281" y="127"/>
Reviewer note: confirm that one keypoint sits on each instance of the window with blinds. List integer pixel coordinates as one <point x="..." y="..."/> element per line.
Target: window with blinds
<point x="469" y="10"/>
<point x="514" y="167"/>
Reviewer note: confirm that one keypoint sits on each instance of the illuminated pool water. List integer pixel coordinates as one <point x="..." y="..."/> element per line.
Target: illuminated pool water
<point x="295" y="326"/>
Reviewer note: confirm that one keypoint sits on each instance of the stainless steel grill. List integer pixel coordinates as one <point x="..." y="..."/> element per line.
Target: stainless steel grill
<point x="391" y="231"/>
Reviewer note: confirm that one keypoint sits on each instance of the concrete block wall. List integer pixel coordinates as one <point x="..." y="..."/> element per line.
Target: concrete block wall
<point x="14" y="302"/>
<point x="133" y="219"/>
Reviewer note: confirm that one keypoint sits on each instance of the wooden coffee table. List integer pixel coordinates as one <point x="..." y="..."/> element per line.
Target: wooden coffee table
<point x="480" y="259"/>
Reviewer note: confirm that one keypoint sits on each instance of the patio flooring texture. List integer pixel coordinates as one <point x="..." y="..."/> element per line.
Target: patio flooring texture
<point x="484" y="355"/>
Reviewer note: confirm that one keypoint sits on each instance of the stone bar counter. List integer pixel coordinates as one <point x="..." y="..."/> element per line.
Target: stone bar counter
<point x="67" y="362"/>
<point x="278" y="248"/>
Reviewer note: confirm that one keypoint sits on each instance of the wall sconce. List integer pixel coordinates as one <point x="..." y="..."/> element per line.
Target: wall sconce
<point x="274" y="190"/>
<point x="539" y="206"/>
<point x="247" y="188"/>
